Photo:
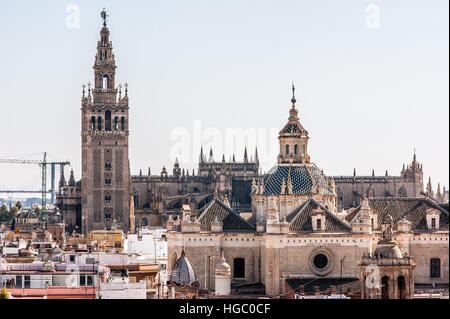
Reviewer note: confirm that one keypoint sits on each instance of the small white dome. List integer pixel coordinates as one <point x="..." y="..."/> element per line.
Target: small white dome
<point x="222" y="268"/>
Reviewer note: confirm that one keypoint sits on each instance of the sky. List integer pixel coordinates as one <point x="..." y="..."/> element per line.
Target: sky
<point x="371" y="81"/>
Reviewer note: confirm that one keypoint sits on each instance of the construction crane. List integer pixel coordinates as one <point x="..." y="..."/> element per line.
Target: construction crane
<point x="43" y="164"/>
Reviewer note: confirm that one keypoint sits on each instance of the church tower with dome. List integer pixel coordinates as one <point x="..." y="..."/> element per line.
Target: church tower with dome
<point x="387" y="273"/>
<point x="294" y="179"/>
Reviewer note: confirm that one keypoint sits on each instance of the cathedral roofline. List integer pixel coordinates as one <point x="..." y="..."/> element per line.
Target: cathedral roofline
<point x="397" y="208"/>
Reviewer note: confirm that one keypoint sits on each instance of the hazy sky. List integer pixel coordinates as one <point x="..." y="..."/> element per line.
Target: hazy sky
<point x="371" y="79"/>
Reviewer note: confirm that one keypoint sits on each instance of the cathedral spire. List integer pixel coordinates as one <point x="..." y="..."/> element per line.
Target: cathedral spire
<point x="71" y="178"/>
<point x="201" y="155"/>
<point x="429" y="187"/>
<point x="62" y="179"/>
<point x="211" y="157"/>
<point x="245" y="155"/>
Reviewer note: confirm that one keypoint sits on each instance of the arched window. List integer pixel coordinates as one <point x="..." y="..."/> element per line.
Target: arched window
<point x="106" y="54"/>
<point x="401" y="284"/>
<point x="239" y="268"/>
<point x="99" y="123"/>
<point x="122" y="123"/>
<point x="136" y="199"/>
<point x="108" y="121"/>
<point x="287" y="150"/>
<point x="435" y="268"/>
<point x="402" y="192"/>
<point x="144" y="221"/>
<point x="303" y="150"/>
<point x="116" y="123"/>
<point x="385" y="287"/>
<point x="92" y="124"/>
<point x="296" y="149"/>
<point x="105" y="82"/>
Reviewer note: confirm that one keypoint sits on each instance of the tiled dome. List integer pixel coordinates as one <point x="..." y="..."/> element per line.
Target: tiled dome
<point x="183" y="272"/>
<point x="295" y="127"/>
<point x="303" y="178"/>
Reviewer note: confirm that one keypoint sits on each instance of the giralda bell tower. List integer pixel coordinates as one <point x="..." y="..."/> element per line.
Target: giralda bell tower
<point x="104" y="141"/>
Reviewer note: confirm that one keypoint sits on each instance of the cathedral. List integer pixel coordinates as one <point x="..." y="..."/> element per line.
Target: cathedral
<point x="295" y="242"/>
<point x="292" y="230"/>
<point x="108" y="196"/>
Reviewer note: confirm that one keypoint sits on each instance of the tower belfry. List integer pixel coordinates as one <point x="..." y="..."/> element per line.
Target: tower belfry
<point x="293" y="138"/>
<point x="105" y="166"/>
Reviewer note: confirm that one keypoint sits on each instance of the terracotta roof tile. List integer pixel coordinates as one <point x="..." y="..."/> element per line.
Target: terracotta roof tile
<point x="231" y="220"/>
<point x="413" y="209"/>
<point x="300" y="218"/>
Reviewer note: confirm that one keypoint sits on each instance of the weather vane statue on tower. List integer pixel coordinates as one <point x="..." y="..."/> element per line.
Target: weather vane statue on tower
<point x="293" y="100"/>
<point x="104" y="16"/>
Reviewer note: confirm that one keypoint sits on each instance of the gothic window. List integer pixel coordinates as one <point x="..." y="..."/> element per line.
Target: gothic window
<point x="116" y="123"/>
<point x="107" y="198"/>
<point x="435" y="268"/>
<point x="99" y="123"/>
<point x="92" y="125"/>
<point x="105" y="82"/>
<point x="122" y="123"/>
<point x="136" y="199"/>
<point x="108" y="121"/>
<point x="144" y="222"/>
<point x="295" y="149"/>
<point x="433" y="223"/>
<point x="106" y="54"/>
<point x="402" y="192"/>
<point x="303" y="150"/>
<point x="287" y="150"/>
<point x="319" y="224"/>
<point x="239" y="268"/>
